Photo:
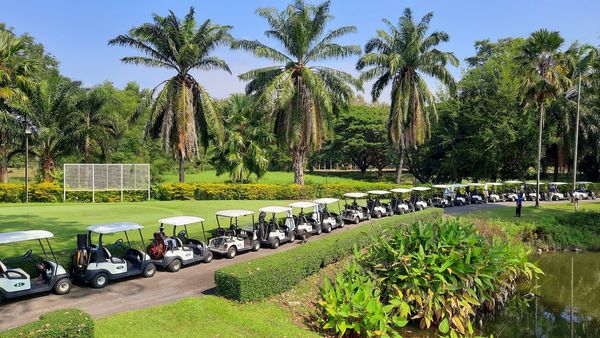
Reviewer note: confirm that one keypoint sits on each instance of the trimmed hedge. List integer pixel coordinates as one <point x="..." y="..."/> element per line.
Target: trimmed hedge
<point x="62" y="323"/>
<point x="277" y="273"/>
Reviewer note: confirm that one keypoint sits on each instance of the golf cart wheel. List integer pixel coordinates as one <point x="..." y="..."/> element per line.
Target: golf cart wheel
<point x="303" y="236"/>
<point x="63" y="286"/>
<point x="256" y="246"/>
<point x="327" y="229"/>
<point x="319" y="230"/>
<point x="419" y="208"/>
<point x="377" y="214"/>
<point x="209" y="257"/>
<point x="99" y="280"/>
<point x="401" y="211"/>
<point x="341" y="225"/>
<point x="231" y="252"/>
<point x="150" y="270"/>
<point x="275" y="243"/>
<point x="355" y="220"/>
<point x="174" y="266"/>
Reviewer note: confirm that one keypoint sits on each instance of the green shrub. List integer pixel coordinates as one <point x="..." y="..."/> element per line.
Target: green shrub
<point x="10" y="192"/>
<point x="46" y="192"/>
<point x="438" y="274"/>
<point x="62" y="323"/>
<point x="277" y="273"/>
<point x="578" y="229"/>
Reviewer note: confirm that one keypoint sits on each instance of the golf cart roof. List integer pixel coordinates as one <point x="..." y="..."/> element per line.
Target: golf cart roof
<point x="557" y="183"/>
<point x="494" y="183"/>
<point x="535" y="183"/>
<point x="459" y="185"/>
<point x="513" y="182"/>
<point x="111" y="228"/>
<point x="275" y="209"/>
<point x="584" y="182"/>
<point x="401" y="190"/>
<point x="420" y="188"/>
<point x="475" y="184"/>
<point x="181" y="220"/>
<point x="234" y="213"/>
<point x="355" y="194"/>
<point x="440" y="186"/>
<point x="302" y="204"/>
<point x="326" y="200"/>
<point x="378" y="192"/>
<point x="27" y="235"/>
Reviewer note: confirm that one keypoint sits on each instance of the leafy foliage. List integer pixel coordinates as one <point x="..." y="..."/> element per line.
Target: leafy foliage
<point x="437" y="274"/>
<point x="68" y="323"/>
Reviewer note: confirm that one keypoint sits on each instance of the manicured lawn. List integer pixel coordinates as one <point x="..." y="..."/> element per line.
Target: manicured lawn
<point x="273" y="177"/>
<point x="531" y="214"/>
<point x="207" y="316"/>
<point x="66" y="220"/>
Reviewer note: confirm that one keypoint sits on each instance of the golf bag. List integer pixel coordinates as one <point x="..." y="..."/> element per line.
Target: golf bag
<point x="81" y="257"/>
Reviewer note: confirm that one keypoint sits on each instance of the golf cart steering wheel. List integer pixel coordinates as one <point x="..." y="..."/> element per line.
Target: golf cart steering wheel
<point x="118" y="243"/>
<point x="28" y="254"/>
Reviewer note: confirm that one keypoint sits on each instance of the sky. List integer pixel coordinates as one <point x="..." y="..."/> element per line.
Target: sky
<point x="77" y="32"/>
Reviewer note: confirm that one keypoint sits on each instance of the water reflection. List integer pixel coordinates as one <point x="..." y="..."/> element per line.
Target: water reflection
<point x="562" y="310"/>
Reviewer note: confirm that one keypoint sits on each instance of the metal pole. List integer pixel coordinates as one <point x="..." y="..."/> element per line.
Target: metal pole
<point x="64" y="184"/>
<point x="93" y="184"/>
<point x="576" y="137"/>
<point x="121" y="182"/>
<point x="539" y="163"/>
<point x="26" y="165"/>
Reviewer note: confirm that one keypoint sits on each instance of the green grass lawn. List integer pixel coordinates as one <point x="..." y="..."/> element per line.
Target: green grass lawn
<point x="207" y="316"/>
<point x="530" y="213"/>
<point x="66" y="220"/>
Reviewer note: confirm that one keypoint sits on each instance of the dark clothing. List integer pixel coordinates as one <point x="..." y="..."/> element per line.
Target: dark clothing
<point x="519" y="204"/>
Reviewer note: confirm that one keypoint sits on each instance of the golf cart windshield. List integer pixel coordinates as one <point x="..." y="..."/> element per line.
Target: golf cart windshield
<point x="183" y="221"/>
<point x="233" y="216"/>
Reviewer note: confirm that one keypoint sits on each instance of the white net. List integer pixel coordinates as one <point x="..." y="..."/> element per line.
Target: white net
<point x="106" y="177"/>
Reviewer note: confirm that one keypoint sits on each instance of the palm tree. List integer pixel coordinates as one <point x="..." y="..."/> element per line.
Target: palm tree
<point x="544" y="70"/>
<point x="302" y="97"/>
<point x="16" y="77"/>
<point x="402" y="55"/>
<point x="182" y="113"/>
<point x="245" y="150"/>
<point x="52" y="108"/>
<point x="94" y="123"/>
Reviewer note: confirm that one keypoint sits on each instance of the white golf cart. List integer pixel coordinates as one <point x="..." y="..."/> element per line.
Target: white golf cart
<point x="531" y="191"/>
<point x="96" y="265"/>
<point x="417" y="198"/>
<point x="476" y="196"/>
<point x="513" y="188"/>
<point x="582" y="192"/>
<point x="399" y="204"/>
<point x="378" y="209"/>
<point x="273" y="232"/>
<point x="460" y="197"/>
<point x="554" y="193"/>
<point x="306" y="224"/>
<point x="353" y="212"/>
<point x="15" y="282"/>
<point x="328" y="220"/>
<point x="229" y="242"/>
<point x="442" y="199"/>
<point x="178" y="250"/>
<point x="493" y="194"/>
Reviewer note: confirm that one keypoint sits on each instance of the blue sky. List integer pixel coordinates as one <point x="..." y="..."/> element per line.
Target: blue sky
<point x="76" y="32"/>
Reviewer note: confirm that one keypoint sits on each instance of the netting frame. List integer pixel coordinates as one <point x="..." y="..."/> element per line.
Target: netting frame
<point x="122" y="183"/>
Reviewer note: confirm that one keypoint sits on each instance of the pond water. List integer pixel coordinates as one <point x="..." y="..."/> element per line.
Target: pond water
<point x="569" y="302"/>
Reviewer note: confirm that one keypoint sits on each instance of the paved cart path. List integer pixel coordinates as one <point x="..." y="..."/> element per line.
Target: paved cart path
<point x="137" y="292"/>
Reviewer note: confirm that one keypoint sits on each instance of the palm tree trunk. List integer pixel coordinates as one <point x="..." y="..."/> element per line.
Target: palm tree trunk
<point x="400" y="166"/>
<point x="86" y="149"/>
<point x="539" y="160"/>
<point x="4" y="167"/>
<point x="48" y="165"/>
<point x="298" y="157"/>
<point x="181" y="168"/>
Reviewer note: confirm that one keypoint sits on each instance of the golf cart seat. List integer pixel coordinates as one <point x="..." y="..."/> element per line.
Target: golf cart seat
<point x="134" y="256"/>
<point x="12" y="273"/>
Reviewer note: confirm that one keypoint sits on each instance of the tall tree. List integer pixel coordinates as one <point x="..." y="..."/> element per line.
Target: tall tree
<point x="246" y="149"/>
<point x="182" y="113"/>
<point x="545" y="77"/>
<point x="302" y="97"/>
<point x="94" y="123"/>
<point x="17" y="73"/>
<point x="402" y="55"/>
<point x="51" y="108"/>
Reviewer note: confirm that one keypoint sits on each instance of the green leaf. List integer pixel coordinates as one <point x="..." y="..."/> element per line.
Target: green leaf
<point x="444" y="326"/>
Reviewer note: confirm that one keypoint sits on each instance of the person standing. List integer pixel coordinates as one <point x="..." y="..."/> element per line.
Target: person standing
<point x="519" y="203"/>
